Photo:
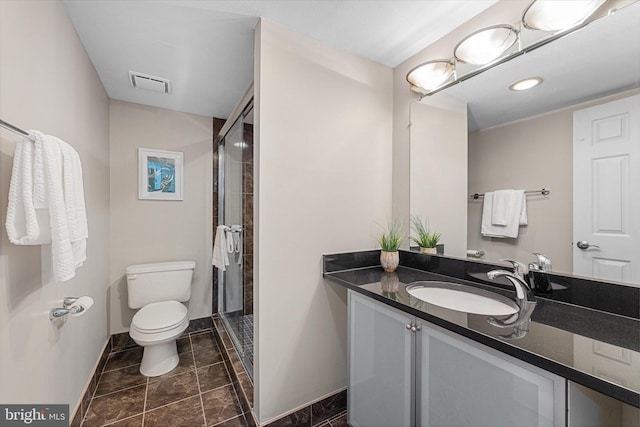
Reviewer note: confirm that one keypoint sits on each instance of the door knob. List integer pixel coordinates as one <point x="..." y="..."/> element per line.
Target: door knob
<point x="584" y="245"/>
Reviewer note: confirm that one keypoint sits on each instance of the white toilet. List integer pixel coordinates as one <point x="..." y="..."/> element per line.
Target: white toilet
<point x="158" y="290"/>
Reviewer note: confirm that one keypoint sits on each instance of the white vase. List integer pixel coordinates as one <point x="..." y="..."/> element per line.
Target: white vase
<point x="389" y="260"/>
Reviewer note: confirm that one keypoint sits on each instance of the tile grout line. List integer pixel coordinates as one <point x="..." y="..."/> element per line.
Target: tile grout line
<point x="193" y="356"/>
<point x="144" y="406"/>
<point x="117" y="391"/>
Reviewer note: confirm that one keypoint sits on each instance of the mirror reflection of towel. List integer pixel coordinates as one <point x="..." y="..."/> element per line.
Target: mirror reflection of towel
<point x="513" y="213"/>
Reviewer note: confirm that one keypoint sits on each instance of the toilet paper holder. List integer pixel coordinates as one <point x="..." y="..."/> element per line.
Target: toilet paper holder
<point x="68" y="307"/>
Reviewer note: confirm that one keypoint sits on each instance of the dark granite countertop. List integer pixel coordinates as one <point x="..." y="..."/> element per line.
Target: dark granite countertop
<point x="597" y="349"/>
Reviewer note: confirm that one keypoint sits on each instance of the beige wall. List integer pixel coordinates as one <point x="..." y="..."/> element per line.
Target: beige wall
<point x="438" y="176"/>
<point x="526" y="154"/>
<point x="323" y="165"/>
<point x="505" y="11"/>
<point x="48" y="83"/>
<point x="144" y="231"/>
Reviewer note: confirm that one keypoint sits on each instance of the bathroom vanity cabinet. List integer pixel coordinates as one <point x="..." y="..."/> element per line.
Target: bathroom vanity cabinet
<point x="407" y="372"/>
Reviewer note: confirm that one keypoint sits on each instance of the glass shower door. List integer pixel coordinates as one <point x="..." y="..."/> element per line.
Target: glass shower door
<point x="237" y="318"/>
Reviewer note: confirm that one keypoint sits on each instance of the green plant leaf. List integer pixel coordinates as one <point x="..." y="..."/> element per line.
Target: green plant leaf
<point x="391" y="237"/>
<point x="425" y="238"/>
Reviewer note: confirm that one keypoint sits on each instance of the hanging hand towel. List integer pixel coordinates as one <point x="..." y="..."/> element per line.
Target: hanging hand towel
<point x="501" y="206"/>
<point x="515" y="215"/>
<point x="61" y="251"/>
<point x="220" y="255"/>
<point x="25" y="223"/>
<point x="74" y="201"/>
<point x="46" y="202"/>
<point x="507" y="203"/>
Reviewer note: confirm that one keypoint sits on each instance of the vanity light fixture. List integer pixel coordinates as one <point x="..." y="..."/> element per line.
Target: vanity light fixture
<point x="485" y="45"/>
<point x="431" y="74"/>
<point x="525" y="84"/>
<point x="558" y="15"/>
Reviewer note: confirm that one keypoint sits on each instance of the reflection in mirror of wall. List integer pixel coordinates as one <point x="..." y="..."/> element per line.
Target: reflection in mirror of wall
<point x="524" y="140"/>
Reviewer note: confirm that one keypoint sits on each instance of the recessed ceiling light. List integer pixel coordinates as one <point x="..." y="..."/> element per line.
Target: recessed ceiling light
<point x="432" y="74"/>
<point x="486" y="45"/>
<point x="559" y="15"/>
<point x="525" y="84"/>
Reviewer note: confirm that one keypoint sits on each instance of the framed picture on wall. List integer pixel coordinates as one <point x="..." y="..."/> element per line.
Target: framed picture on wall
<point x="159" y="174"/>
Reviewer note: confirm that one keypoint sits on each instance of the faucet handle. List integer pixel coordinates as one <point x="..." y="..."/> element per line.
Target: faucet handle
<point x="544" y="262"/>
<point x="519" y="268"/>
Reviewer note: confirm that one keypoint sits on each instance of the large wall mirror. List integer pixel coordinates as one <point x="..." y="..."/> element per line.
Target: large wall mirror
<point x="531" y="140"/>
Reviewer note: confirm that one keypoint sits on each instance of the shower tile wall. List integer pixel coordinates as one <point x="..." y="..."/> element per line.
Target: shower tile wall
<point x="247" y="217"/>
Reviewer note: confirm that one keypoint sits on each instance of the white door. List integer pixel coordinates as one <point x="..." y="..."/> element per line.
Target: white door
<point x="606" y="191"/>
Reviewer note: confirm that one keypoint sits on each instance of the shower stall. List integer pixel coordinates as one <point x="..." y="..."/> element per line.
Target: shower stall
<point x="235" y="212"/>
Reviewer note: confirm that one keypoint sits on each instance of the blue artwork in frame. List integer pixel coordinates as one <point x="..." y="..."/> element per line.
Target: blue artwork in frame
<point x="159" y="174"/>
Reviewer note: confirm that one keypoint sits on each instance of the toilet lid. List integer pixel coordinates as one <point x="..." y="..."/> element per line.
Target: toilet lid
<point x="159" y="316"/>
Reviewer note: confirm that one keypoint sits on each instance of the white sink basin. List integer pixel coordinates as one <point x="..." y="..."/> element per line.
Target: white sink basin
<point x="463" y="298"/>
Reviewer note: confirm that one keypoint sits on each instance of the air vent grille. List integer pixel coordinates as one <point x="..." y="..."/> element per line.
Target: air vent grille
<point x="148" y="82"/>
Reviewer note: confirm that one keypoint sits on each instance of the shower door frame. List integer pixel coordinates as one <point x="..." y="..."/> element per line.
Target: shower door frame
<point x="241" y="111"/>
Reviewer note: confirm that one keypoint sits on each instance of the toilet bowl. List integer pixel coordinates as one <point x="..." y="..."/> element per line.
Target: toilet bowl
<point x="158" y="289"/>
<point x="156" y="327"/>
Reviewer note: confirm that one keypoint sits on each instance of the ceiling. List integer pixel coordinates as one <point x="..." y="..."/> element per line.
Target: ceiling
<point x="205" y="48"/>
<point x="601" y="59"/>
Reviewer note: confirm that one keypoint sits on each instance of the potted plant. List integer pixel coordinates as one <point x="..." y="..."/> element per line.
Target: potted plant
<point x="425" y="239"/>
<point x="390" y="241"/>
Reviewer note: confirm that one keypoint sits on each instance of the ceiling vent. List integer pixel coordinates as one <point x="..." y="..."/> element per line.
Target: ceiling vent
<point x="145" y="81"/>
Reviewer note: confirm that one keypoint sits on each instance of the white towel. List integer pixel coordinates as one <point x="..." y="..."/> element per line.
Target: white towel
<point x="61" y="252"/>
<point x="230" y="243"/>
<point x="505" y="204"/>
<point x="74" y="201"/>
<point x="515" y="215"/>
<point x="501" y="206"/>
<point x="46" y="202"/>
<point x="220" y="254"/>
<point x="22" y="223"/>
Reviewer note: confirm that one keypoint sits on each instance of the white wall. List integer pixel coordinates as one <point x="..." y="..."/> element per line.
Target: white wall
<point x="323" y="165"/>
<point x="48" y="83"/>
<point x="438" y="173"/>
<point x="144" y="231"/>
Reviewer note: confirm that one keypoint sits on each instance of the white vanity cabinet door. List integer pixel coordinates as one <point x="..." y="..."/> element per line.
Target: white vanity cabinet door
<point x="463" y="383"/>
<point x="589" y="408"/>
<point x="380" y="365"/>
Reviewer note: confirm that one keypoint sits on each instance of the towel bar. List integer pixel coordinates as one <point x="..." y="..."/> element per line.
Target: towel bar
<point x="544" y="192"/>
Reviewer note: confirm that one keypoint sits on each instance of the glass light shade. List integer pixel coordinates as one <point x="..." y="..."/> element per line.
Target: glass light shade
<point x="558" y="15"/>
<point x="485" y="45"/>
<point x="431" y="75"/>
<point x="525" y="84"/>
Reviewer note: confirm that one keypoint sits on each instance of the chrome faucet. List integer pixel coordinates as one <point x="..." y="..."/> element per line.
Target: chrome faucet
<point x="523" y="291"/>
<point x="543" y="264"/>
<point x="519" y="269"/>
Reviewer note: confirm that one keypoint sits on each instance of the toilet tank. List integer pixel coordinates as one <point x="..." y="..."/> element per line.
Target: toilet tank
<point x="163" y="281"/>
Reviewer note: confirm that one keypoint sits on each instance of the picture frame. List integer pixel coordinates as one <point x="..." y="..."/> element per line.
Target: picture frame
<point x="160" y="174"/>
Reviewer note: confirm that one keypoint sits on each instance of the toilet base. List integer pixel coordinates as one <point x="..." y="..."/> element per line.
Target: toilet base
<point x="158" y="359"/>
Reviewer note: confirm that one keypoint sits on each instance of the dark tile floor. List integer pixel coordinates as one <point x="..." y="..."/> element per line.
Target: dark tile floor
<point x="198" y="392"/>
